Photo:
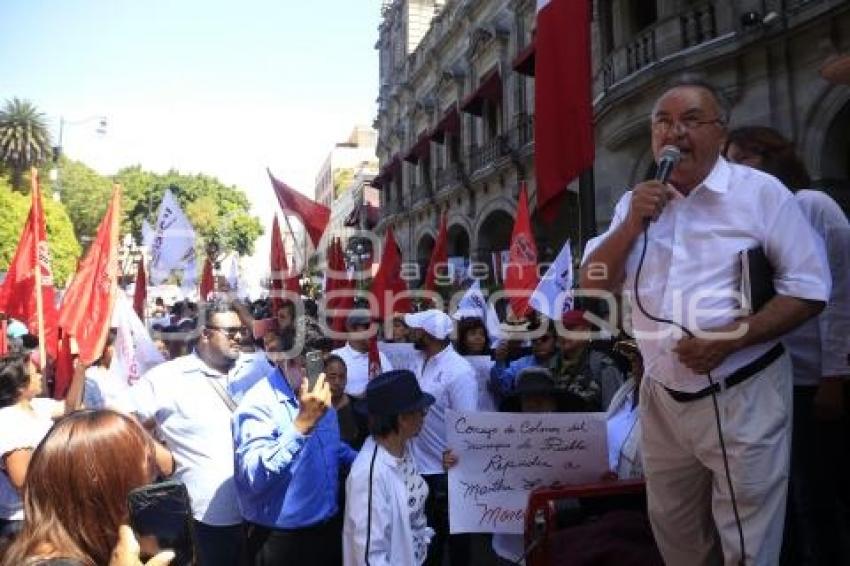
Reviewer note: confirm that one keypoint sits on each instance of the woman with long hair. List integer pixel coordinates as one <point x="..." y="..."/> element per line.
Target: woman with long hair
<point x="75" y="494"/>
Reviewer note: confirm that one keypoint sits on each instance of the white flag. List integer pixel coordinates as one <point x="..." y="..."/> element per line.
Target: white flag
<point x="147" y="234"/>
<point x="553" y="295"/>
<point x="233" y="273"/>
<point x="173" y="243"/>
<point x="473" y="304"/>
<point x="189" y="283"/>
<point x="134" y="354"/>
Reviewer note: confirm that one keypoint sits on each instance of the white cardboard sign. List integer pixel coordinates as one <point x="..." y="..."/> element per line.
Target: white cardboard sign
<point x="503" y="456"/>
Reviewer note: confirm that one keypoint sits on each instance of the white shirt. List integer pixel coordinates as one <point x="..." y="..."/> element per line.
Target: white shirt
<point x="21" y="429"/>
<point x="195" y="424"/>
<point x="357" y="368"/>
<point x="451" y="380"/>
<point x="105" y="389"/>
<point x="691" y="272"/>
<point x="393" y="539"/>
<point x="821" y="346"/>
<point x="623" y="427"/>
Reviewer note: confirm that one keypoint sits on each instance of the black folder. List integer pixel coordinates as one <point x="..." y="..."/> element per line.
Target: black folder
<point x="756" y="279"/>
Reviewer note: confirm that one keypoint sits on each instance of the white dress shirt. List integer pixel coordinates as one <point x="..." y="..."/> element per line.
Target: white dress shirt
<point x="821" y="346"/>
<point x="451" y="380"/>
<point x="357" y="368"/>
<point x="691" y="273"/>
<point x="392" y="541"/>
<point x="195" y="424"/>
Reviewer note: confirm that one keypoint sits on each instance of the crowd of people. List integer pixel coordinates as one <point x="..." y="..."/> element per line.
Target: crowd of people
<point x="349" y="464"/>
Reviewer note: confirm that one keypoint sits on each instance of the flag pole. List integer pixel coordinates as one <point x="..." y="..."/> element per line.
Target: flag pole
<point x="302" y="254"/>
<point x="39" y="299"/>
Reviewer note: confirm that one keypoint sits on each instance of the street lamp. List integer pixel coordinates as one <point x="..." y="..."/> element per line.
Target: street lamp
<point x="57" y="149"/>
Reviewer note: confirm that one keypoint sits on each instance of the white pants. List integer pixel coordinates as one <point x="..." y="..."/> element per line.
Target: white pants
<point x="688" y="496"/>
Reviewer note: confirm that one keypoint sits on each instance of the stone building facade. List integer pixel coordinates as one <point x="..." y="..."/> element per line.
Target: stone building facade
<point x="456" y="107"/>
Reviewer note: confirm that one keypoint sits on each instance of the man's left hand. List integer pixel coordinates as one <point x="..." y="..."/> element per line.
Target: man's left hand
<point x="701" y="355"/>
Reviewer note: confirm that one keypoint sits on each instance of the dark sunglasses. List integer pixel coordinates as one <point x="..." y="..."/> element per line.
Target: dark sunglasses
<point x="230" y="331"/>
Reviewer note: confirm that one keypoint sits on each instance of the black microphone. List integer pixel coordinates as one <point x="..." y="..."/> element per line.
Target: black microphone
<point x="669" y="158"/>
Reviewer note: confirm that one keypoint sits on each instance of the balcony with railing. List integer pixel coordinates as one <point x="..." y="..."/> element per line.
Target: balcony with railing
<point x="641" y="52"/>
<point x="698" y="25"/>
<point x="420" y="193"/>
<point x="447" y="176"/>
<point x="683" y="31"/>
<point x="480" y="156"/>
<point x="522" y="132"/>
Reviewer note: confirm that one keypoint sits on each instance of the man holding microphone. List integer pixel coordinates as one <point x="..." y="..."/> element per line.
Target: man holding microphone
<point x="715" y="406"/>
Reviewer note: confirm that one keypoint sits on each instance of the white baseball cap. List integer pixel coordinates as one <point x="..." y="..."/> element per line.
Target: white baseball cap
<point x="436" y="323"/>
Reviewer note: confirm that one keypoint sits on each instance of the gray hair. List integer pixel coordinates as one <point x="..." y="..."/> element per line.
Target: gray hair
<point x="699" y="80"/>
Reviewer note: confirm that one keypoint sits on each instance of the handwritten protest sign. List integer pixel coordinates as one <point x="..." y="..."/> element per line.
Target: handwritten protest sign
<point x="402" y="355"/>
<point x="482" y="366"/>
<point x="503" y="456"/>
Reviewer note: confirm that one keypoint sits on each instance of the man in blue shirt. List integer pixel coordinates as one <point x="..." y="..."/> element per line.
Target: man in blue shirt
<point x="288" y="455"/>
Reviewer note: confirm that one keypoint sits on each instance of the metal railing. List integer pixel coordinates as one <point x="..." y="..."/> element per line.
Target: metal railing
<point x="522" y="132"/>
<point x="698" y="25"/>
<point x="641" y="52"/>
<point x="485" y="154"/>
<point x="447" y="175"/>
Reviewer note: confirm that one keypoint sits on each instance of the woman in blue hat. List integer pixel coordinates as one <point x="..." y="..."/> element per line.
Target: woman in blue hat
<point x="385" y="495"/>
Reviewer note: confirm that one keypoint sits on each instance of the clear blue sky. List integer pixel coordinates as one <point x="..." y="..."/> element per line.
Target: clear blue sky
<point x="223" y="87"/>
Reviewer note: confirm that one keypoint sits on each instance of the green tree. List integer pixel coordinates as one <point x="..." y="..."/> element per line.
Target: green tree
<point x="218" y="212"/>
<point x="84" y="193"/>
<point x="64" y="248"/>
<point x="24" y="139"/>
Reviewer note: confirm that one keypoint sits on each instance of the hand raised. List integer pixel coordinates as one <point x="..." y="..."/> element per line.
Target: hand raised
<point x="312" y="404"/>
<point x="126" y="552"/>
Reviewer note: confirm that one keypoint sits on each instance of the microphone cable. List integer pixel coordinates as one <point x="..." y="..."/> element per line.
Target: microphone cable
<point x="712" y="383"/>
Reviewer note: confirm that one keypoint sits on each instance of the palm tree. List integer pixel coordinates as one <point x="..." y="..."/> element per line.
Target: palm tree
<point x="24" y="139"/>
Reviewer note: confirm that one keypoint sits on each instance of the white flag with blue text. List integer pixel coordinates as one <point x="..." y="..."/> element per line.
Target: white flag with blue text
<point x="554" y="294"/>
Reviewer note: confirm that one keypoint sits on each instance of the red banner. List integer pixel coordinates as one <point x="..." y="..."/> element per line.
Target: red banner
<point x="86" y="312"/>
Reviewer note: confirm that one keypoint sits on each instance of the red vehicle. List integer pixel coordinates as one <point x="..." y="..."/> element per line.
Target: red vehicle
<point x="596" y="524"/>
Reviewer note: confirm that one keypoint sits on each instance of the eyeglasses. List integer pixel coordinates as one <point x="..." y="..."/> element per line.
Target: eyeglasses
<point x="231" y="331"/>
<point x="661" y="126"/>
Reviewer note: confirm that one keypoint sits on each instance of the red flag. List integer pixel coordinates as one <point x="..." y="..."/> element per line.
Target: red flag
<point x="343" y="286"/>
<point x="277" y="263"/>
<point x="521" y="277"/>
<point x="64" y="370"/>
<point x="313" y="215"/>
<point x="140" y="292"/>
<point x="388" y="282"/>
<point x="86" y="312"/>
<point x="207" y="285"/>
<point x="439" y="255"/>
<point x="375" y="368"/>
<point x="563" y="125"/>
<point x="4" y="343"/>
<point x="18" y="292"/>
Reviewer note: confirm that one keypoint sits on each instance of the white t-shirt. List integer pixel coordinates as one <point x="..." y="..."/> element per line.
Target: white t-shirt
<point x="104" y="389"/>
<point x="20" y="429"/>
<point x="451" y="380"/>
<point x="357" y="368"/>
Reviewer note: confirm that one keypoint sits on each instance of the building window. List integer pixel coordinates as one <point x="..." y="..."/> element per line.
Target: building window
<point x="644" y="13"/>
<point x="491" y="119"/>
